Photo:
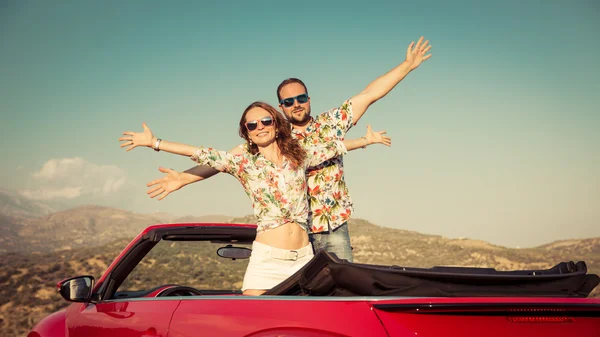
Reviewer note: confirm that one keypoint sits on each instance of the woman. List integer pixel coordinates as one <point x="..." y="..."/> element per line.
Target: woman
<point x="272" y="171"/>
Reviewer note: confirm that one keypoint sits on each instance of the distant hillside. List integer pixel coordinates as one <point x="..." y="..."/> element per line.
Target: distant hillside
<point x="83" y="226"/>
<point x="15" y="205"/>
<point x="10" y="239"/>
<point x="583" y="246"/>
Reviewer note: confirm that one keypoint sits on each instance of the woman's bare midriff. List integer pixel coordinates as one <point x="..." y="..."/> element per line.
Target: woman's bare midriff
<point x="289" y="236"/>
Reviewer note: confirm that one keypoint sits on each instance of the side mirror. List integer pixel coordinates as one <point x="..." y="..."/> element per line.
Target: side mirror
<point x="76" y="289"/>
<point x="234" y="253"/>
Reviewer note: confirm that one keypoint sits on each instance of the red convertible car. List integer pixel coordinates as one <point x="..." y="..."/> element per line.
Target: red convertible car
<point x="183" y="280"/>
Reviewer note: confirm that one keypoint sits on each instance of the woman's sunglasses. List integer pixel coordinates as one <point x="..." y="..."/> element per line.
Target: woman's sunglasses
<point x="288" y="102"/>
<point x="266" y="121"/>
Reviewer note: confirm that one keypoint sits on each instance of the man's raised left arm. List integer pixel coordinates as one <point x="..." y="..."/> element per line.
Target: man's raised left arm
<point x="381" y="86"/>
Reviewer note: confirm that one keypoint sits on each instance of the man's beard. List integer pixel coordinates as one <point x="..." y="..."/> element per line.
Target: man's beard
<point x="300" y="121"/>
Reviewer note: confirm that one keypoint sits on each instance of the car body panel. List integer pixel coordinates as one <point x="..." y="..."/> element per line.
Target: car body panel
<point x="121" y="318"/>
<point x="52" y="325"/>
<point x="493" y="316"/>
<point x="271" y="316"/>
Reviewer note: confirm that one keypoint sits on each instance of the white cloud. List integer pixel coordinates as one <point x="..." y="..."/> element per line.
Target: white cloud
<point x="113" y="185"/>
<point x="60" y="168"/>
<point x="70" y="178"/>
<point x="52" y="193"/>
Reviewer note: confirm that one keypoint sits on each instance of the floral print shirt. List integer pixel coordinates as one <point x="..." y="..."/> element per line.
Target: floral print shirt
<point x="330" y="202"/>
<point x="278" y="194"/>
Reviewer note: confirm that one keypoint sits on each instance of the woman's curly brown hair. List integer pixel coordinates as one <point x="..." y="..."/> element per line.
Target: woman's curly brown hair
<point x="288" y="145"/>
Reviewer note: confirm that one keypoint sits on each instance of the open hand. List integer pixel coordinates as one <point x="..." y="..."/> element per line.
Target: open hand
<point x="416" y="54"/>
<point x="169" y="183"/>
<point x="135" y="139"/>
<point x="377" y="137"/>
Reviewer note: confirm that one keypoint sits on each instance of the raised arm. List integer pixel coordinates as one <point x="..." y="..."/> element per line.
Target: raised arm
<point x="324" y="150"/>
<point x="220" y="160"/>
<point x="146" y="138"/>
<point x="370" y="138"/>
<point x="174" y="180"/>
<point x="385" y="83"/>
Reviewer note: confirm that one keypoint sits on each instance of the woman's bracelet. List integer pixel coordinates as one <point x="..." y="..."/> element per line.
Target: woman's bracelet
<point x="366" y="142"/>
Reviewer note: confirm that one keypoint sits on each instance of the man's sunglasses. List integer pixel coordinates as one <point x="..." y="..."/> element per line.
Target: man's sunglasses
<point x="266" y="121"/>
<point x="288" y="102"/>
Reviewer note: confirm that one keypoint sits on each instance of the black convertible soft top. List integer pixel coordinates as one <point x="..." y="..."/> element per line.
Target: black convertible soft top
<point x="327" y="275"/>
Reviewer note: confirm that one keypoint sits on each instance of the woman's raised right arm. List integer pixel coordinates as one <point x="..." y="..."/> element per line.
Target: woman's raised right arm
<point x="131" y="140"/>
<point x="220" y="160"/>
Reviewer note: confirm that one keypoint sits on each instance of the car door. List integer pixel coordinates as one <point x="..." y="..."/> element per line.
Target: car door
<point x="121" y="318"/>
<point x="268" y="316"/>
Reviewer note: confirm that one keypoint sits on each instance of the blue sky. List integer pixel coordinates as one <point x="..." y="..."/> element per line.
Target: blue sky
<point x="496" y="137"/>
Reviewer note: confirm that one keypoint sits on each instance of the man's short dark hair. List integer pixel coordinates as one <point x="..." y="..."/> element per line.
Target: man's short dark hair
<point x="286" y="82"/>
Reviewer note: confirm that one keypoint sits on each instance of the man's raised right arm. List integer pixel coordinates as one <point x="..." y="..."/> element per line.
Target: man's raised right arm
<point x="174" y="180"/>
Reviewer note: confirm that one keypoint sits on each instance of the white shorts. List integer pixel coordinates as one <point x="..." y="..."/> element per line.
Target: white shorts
<point x="269" y="266"/>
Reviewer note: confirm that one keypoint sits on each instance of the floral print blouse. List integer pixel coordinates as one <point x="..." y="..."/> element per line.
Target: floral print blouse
<point x="278" y="194"/>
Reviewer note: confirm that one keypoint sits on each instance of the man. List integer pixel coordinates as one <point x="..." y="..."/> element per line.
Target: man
<point x="330" y="202"/>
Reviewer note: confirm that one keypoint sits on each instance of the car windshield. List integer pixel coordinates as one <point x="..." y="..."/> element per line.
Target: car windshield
<point x="185" y="263"/>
